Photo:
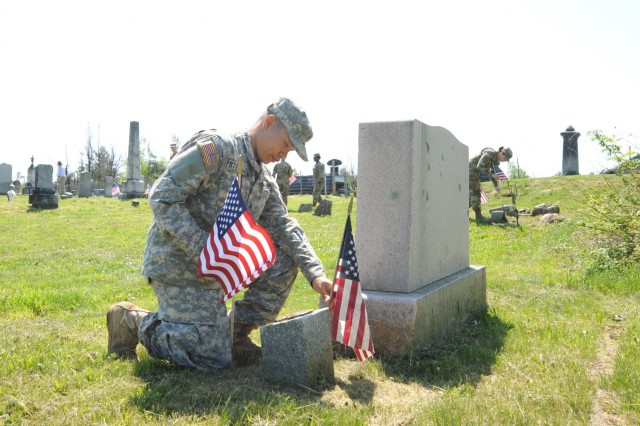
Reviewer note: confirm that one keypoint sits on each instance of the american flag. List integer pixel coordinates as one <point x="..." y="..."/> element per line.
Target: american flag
<point x="500" y="175"/>
<point x="115" y="190"/>
<point x="292" y="179"/>
<point x="349" y="324"/>
<point x="483" y="197"/>
<point x="238" y="250"/>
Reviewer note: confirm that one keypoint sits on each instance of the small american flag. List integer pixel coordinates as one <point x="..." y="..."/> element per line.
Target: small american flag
<point x="500" y="175"/>
<point x="115" y="190"/>
<point x="349" y="324"/>
<point x="483" y="197"/>
<point x="238" y="250"/>
<point x="292" y="179"/>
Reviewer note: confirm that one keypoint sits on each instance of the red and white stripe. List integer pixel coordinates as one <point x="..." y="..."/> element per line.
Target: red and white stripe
<point x="237" y="259"/>
<point x="350" y="322"/>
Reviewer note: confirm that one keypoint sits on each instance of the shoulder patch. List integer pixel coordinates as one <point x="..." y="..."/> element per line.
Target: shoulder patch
<point x="187" y="164"/>
<point x="209" y="154"/>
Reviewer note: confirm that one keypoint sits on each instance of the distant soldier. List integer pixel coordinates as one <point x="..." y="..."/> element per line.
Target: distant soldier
<point x="318" y="179"/>
<point x="282" y="172"/>
<point x="485" y="162"/>
<point x="174" y="150"/>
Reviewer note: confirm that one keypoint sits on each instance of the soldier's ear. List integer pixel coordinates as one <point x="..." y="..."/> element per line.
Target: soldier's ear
<point x="269" y="121"/>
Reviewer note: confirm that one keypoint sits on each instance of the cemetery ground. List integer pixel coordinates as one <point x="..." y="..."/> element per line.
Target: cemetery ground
<point x="556" y="346"/>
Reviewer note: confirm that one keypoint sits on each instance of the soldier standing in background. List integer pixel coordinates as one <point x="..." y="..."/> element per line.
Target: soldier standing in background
<point x="318" y="179"/>
<point x="484" y="162"/>
<point x="191" y="327"/>
<point x="174" y="150"/>
<point x="282" y="172"/>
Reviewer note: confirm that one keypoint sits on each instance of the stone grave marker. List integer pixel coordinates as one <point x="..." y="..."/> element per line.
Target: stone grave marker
<point x="298" y="349"/>
<point x="134" y="186"/>
<point x="6" y="178"/>
<point x="412" y="235"/>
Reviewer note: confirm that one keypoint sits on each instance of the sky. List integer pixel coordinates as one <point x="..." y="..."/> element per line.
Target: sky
<point x="494" y="73"/>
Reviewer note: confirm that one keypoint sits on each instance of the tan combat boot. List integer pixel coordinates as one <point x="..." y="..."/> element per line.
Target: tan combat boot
<point x="123" y="321"/>
<point x="244" y="349"/>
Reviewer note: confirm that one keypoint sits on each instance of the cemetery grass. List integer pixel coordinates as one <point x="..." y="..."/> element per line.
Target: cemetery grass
<point x="554" y="347"/>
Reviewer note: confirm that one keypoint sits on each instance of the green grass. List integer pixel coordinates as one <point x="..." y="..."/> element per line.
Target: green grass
<point x="535" y="357"/>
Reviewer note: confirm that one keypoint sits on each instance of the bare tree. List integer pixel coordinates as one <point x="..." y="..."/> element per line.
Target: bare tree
<point x="98" y="160"/>
<point x="349" y="171"/>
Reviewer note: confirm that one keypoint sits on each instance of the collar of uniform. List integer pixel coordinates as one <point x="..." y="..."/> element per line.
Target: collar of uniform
<point x="251" y="155"/>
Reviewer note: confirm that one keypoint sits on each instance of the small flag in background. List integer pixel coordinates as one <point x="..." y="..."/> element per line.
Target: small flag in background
<point x="115" y="190"/>
<point x="238" y="250"/>
<point x="292" y="179"/>
<point x="350" y="325"/>
<point x="500" y="174"/>
<point x="483" y="197"/>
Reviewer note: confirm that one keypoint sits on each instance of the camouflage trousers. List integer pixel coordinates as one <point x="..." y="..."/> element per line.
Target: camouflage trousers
<point x="284" y="190"/>
<point x="474" y="187"/>
<point x="191" y="327"/>
<point x="317" y="189"/>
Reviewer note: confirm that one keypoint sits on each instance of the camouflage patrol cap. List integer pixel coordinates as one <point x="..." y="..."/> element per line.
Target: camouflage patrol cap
<point x="508" y="153"/>
<point x="173" y="145"/>
<point x="296" y="122"/>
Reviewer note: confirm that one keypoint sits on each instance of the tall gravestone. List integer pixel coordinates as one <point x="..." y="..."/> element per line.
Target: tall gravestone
<point x="570" y="162"/>
<point x="412" y="235"/>
<point x="6" y="174"/>
<point x="31" y="179"/>
<point x="108" y="186"/>
<point x="44" y="194"/>
<point x="84" y="190"/>
<point x="133" y="187"/>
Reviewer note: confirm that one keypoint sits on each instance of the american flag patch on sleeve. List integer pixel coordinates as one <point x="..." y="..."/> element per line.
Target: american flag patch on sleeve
<point x="209" y="154"/>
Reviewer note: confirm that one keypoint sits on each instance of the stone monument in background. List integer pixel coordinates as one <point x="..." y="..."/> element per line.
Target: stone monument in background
<point x="412" y="235"/>
<point x="133" y="187"/>
<point x="6" y="178"/>
<point x="43" y="195"/>
<point x="84" y="188"/>
<point x="108" y="186"/>
<point x="31" y="179"/>
<point x="570" y="162"/>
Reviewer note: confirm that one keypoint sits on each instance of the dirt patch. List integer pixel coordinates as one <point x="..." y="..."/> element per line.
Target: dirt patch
<point x="605" y="411"/>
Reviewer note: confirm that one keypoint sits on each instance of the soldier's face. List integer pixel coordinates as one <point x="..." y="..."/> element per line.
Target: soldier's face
<point x="274" y="143"/>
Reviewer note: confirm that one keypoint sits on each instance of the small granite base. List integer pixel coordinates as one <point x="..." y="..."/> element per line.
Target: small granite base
<point x="298" y="350"/>
<point x="43" y="201"/>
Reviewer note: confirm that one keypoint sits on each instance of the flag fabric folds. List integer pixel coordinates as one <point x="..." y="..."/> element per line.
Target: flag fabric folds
<point x="500" y="175"/>
<point x="483" y="197"/>
<point x="350" y="325"/>
<point x="238" y="250"/>
<point x="115" y="190"/>
<point x="292" y="179"/>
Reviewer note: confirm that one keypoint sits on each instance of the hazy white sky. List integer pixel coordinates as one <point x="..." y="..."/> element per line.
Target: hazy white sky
<point x="512" y="73"/>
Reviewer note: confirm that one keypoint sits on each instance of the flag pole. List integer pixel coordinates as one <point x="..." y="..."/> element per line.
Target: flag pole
<point x="232" y="310"/>
<point x="344" y="235"/>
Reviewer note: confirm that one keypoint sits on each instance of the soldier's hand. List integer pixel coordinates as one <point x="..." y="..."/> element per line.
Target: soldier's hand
<point x="323" y="286"/>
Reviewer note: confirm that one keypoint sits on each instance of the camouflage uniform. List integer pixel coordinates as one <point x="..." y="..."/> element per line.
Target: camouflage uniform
<point x="282" y="172"/>
<point x="482" y="163"/>
<point x="190" y="327"/>
<point x="318" y="181"/>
